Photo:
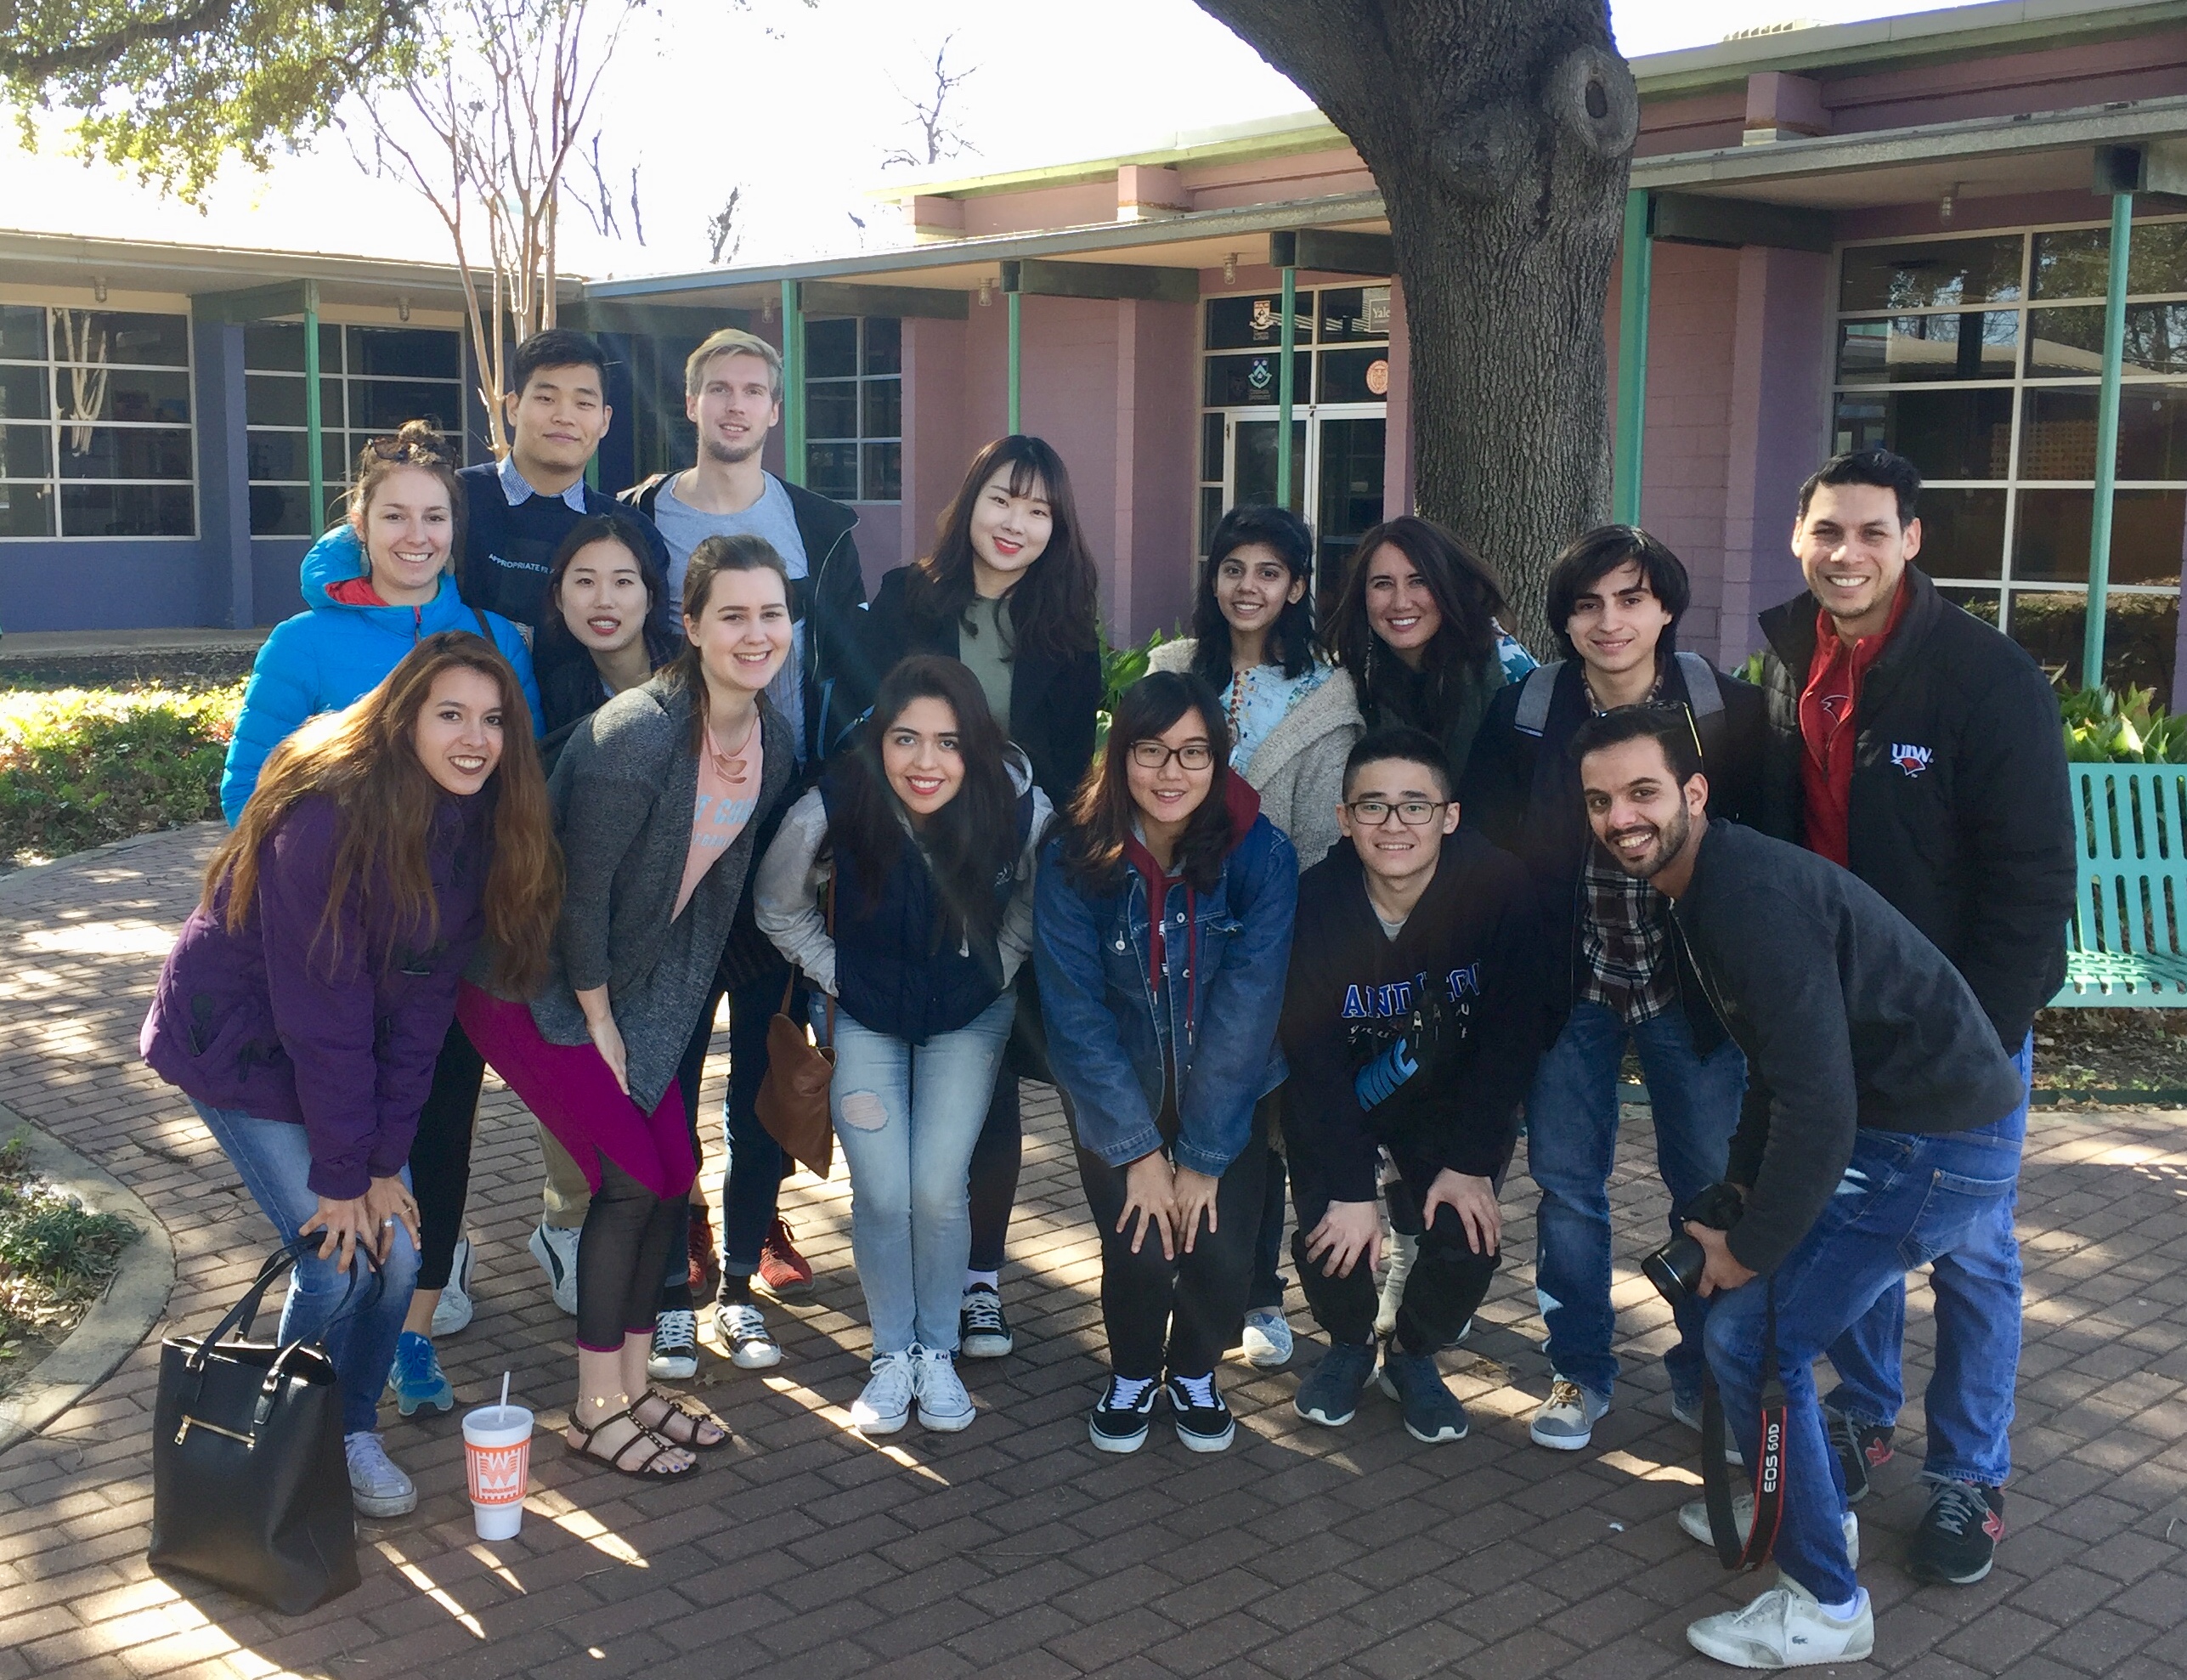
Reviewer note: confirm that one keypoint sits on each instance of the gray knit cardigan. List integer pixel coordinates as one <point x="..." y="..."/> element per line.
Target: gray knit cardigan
<point x="623" y="791"/>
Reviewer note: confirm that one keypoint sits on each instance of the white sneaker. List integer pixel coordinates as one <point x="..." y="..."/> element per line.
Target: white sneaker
<point x="377" y="1486"/>
<point x="885" y="1404"/>
<point x="1693" y="1518"/>
<point x="943" y="1402"/>
<point x="555" y="1250"/>
<point x="1403" y="1250"/>
<point x="1566" y="1420"/>
<point x="1785" y="1628"/>
<point x="1267" y="1340"/>
<point x="674" y="1355"/>
<point x="454" y="1310"/>
<point x="743" y="1332"/>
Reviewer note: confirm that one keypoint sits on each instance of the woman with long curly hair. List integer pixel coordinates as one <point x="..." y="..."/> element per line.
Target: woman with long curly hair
<point x="303" y="1007"/>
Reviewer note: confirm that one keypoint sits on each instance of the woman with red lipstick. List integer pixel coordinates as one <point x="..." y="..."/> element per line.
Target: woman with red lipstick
<point x="1415" y="625"/>
<point x="928" y="827"/>
<point x="1011" y="591"/>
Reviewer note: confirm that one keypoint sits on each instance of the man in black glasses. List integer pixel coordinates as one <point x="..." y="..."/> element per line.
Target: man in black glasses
<point x="1615" y="598"/>
<point x="1412" y="1021"/>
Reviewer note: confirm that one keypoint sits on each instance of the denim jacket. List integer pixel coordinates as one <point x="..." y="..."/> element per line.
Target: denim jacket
<point x="1108" y="1036"/>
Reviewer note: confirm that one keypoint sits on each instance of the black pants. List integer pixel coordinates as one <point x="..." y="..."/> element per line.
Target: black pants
<point x="998" y="1154"/>
<point x="620" y="1258"/>
<point x="1178" y="1314"/>
<point x="440" y="1155"/>
<point x="1267" y="1289"/>
<point x="1446" y="1286"/>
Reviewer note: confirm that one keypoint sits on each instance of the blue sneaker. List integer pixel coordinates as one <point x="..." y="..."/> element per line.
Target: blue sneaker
<point x="1331" y="1393"/>
<point x="1431" y="1411"/>
<point x="417" y="1379"/>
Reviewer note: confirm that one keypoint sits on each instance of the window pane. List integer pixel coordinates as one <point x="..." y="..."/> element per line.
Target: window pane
<point x="831" y="470"/>
<point x="884" y="471"/>
<point x="2140" y="635"/>
<point x="1931" y="273"/>
<point x="26" y="452"/>
<point x="1976" y="345"/>
<point x="831" y="410"/>
<point x="1355" y="376"/>
<point x="884" y="339"/>
<point x="22" y="392"/>
<point x="276" y="511"/>
<point x="882" y="401"/>
<point x="1354" y="314"/>
<point x="2058" y="434"/>
<point x="269" y="401"/>
<point x="1946" y="434"/>
<point x="1211" y="514"/>
<point x="26" y="511"/>
<point x="123" y="394"/>
<point x="2152" y="431"/>
<point x="2050" y="536"/>
<point x="1962" y="533"/>
<point x="2076" y="262"/>
<point x="1982" y="602"/>
<point x="126" y="511"/>
<point x="1210" y="451"/>
<point x="117" y="452"/>
<point x="2069" y="343"/>
<point x="273" y="347"/>
<point x="22" y="332"/>
<point x="831" y="348"/>
<point x="420" y="352"/>
<point x="276" y="456"/>
<point x="1248" y="323"/>
<point x="384" y="405"/>
<point x="109" y="335"/>
<point x="1240" y="381"/>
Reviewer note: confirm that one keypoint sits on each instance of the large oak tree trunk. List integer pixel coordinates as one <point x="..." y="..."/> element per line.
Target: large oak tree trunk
<point x="1499" y="133"/>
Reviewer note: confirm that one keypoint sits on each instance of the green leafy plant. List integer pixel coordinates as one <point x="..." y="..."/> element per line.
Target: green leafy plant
<point x="1121" y="667"/>
<point x="79" y="767"/>
<point x="55" y="1255"/>
<point x="2105" y="726"/>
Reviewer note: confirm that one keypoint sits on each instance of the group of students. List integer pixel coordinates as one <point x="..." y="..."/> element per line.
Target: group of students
<point x="540" y="779"/>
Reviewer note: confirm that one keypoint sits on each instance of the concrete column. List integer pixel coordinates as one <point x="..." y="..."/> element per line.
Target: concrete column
<point x="223" y="478"/>
<point x="1778" y="433"/>
<point x="1157" y="425"/>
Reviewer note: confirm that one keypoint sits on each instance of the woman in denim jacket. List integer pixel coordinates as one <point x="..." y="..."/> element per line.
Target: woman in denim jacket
<point x="1161" y="1026"/>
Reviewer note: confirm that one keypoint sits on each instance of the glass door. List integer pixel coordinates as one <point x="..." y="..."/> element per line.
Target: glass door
<point x="1346" y="475"/>
<point x="1253" y="462"/>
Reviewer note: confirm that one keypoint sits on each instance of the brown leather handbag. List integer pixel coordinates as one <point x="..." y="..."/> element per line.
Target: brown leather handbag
<point x="792" y="1100"/>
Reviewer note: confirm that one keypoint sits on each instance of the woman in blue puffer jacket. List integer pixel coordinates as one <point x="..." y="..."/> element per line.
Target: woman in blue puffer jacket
<point x="357" y="627"/>
<point x="1161" y="929"/>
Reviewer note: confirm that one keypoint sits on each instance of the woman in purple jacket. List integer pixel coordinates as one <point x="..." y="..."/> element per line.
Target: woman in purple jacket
<point x="303" y="1008"/>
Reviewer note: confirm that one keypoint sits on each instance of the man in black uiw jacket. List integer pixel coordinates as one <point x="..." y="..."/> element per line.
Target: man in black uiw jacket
<point x="1920" y="749"/>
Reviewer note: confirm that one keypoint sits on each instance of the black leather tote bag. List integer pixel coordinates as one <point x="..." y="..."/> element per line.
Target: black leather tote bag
<point x="250" y="1487"/>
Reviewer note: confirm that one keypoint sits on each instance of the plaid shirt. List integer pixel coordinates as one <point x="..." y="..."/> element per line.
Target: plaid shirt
<point x="1623" y="933"/>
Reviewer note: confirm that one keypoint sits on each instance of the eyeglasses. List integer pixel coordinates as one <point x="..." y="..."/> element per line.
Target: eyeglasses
<point x="1416" y="813"/>
<point x="1154" y="755"/>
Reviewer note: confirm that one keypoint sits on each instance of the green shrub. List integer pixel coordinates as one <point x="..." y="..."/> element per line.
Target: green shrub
<point x="81" y="766"/>
<point x="55" y="1254"/>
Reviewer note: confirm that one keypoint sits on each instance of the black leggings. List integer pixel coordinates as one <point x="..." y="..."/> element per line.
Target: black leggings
<point x="440" y="1155"/>
<point x="999" y="1151"/>
<point x="620" y="1259"/>
<point x="1178" y="1314"/>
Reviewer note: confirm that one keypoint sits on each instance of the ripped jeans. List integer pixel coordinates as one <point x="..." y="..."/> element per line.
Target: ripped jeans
<point x="906" y="1117"/>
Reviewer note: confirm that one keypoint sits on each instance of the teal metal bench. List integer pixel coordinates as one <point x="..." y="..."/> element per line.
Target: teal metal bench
<point x="2124" y="948"/>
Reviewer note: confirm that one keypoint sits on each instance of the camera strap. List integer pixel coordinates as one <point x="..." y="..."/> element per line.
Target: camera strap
<point x="1769" y="1467"/>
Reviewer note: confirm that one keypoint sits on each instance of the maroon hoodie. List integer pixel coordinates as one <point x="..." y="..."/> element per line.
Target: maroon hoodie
<point x="1244" y="805"/>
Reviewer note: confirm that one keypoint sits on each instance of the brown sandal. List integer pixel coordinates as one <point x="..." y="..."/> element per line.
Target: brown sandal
<point x="697" y="1416"/>
<point x="643" y="1470"/>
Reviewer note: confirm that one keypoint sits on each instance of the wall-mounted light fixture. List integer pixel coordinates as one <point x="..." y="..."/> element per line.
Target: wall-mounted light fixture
<point x="401" y="308"/>
<point x="1230" y="269"/>
<point x="99" y="287"/>
<point x="1946" y="204"/>
<point x="986" y="293"/>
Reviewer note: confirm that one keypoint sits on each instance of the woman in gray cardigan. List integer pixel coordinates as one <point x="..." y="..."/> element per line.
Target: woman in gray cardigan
<point x="1293" y="717"/>
<point x="658" y="797"/>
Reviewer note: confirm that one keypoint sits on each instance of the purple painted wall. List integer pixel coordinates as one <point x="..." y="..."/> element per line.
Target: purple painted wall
<point x="1157" y="425"/>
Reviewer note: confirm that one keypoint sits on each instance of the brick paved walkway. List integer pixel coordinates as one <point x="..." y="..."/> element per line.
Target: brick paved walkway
<point x="1014" y="1548"/>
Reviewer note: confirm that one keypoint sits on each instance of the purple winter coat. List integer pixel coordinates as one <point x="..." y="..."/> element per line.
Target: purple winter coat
<point x="259" y="1022"/>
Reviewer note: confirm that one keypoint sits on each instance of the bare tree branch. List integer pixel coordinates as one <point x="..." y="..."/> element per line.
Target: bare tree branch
<point x="724" y="237"/>
<point x="938" y="139"/>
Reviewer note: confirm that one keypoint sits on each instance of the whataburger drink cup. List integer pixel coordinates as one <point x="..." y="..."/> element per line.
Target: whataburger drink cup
<point x="497" y="1452"/>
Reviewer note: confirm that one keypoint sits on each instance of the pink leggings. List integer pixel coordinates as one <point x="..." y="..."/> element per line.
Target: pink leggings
<point x="569" y="1087"/>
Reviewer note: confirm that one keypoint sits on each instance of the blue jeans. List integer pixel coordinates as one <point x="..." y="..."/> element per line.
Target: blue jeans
<point x="273" y="1158"/>
<point x="906" y="1117"/>
<point x="1571" y="1148"/>
<point x="1904" y="1201"/>
<point x="1978" y="1318"/>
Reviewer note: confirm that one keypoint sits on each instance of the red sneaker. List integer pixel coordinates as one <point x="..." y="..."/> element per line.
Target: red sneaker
<point x="705" y="1260"/>
<point x="783" y="1270"/>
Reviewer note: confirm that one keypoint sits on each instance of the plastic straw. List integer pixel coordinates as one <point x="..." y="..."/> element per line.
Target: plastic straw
<point x="505" y="1391"/>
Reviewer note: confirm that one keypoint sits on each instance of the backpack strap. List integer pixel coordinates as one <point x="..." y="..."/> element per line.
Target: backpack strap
<point x="484" y="630"/>
<point x="1535" y="696"/>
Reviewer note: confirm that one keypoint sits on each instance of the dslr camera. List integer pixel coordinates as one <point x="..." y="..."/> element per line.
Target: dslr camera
<point x="1674" y="1269"/>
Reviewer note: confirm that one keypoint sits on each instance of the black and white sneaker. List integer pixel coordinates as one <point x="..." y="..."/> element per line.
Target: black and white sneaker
<point x="1861" y="1448"/>
<point x="1957" y="1539"/>
<point x="982" y="1331"/>
<point x="1119" y="1423"/>
<point x="674" y="1355"/>
<point x="1204" y="1423"/>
